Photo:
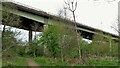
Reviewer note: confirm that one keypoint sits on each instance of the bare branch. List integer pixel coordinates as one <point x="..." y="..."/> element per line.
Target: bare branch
<point x="115" y="29"/>
<point x="75" y="6"/>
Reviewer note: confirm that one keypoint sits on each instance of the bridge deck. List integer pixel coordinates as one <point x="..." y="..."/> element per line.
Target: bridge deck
<point x="45" y="18"/>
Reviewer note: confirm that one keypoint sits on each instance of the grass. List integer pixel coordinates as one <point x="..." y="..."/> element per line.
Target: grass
<point x="0" y="62"/>
<point x="92" y="62"/>
<point x="18" y="61"/>
<point x="49" y="62"/>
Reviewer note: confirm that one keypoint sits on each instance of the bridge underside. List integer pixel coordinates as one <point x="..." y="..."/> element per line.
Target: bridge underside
<point x="27" y="24"/>
<point x="86" y="35"/>
<point x="31" y="25"/>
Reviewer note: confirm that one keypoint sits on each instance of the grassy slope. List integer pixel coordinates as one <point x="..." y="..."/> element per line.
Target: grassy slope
<point x="18" y="61"/>
<point x="48" y="62"/>
<point x="92" y="62"/>
<point x="103" y="63"/>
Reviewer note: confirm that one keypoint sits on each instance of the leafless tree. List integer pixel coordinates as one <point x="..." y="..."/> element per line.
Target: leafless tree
<point x="72" y="6"/>
<point x="64" y="13"/>
<point x="116" y="26"/>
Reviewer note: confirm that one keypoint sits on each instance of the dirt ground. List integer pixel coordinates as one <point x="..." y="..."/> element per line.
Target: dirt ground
<point x="32" y="63"/>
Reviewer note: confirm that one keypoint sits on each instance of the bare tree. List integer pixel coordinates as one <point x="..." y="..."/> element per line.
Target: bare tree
<point x="72" y="6"/>
<point x="64" y="13"/>
<point x="118" y="27"/>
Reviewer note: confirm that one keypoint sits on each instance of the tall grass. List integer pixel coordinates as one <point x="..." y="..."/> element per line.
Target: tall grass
<point x="49" y="62"/>
<point x="17" y="61"/>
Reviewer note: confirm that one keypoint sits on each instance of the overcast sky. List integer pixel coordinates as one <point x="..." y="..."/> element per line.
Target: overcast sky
<point x="98" y="14"/>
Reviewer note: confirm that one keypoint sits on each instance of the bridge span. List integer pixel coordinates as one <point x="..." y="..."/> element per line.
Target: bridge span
<point x="32" y="16"/>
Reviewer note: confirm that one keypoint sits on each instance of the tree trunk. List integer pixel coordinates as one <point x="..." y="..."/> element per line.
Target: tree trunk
<point x="34" y="54"/>
<point x="62" y="57"/>
<point x="78" y="40"/>
<point x="110" y="45"/>
<point x="3" y="32"/>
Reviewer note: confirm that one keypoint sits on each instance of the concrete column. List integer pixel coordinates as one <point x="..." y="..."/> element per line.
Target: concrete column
<point x="30" y="36"/>
<point x="45" y="27"/>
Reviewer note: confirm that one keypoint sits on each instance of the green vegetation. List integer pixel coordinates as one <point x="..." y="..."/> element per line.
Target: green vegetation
<point x="104" y="62"/>
<point x="17" y="61"/>
<point x="12" y="50"/>
<point x="57" y="46"/>
<point x="50" y="38"/>
<point x="49" y="62"/>
<point x="91" y="62"/>
<point x="97" y="53"/>
<point x="46" y="54"/>
<point x="98" y="49"/>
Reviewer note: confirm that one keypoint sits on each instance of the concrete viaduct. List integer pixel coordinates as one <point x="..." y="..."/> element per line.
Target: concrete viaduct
<point x="30" y="16"/>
